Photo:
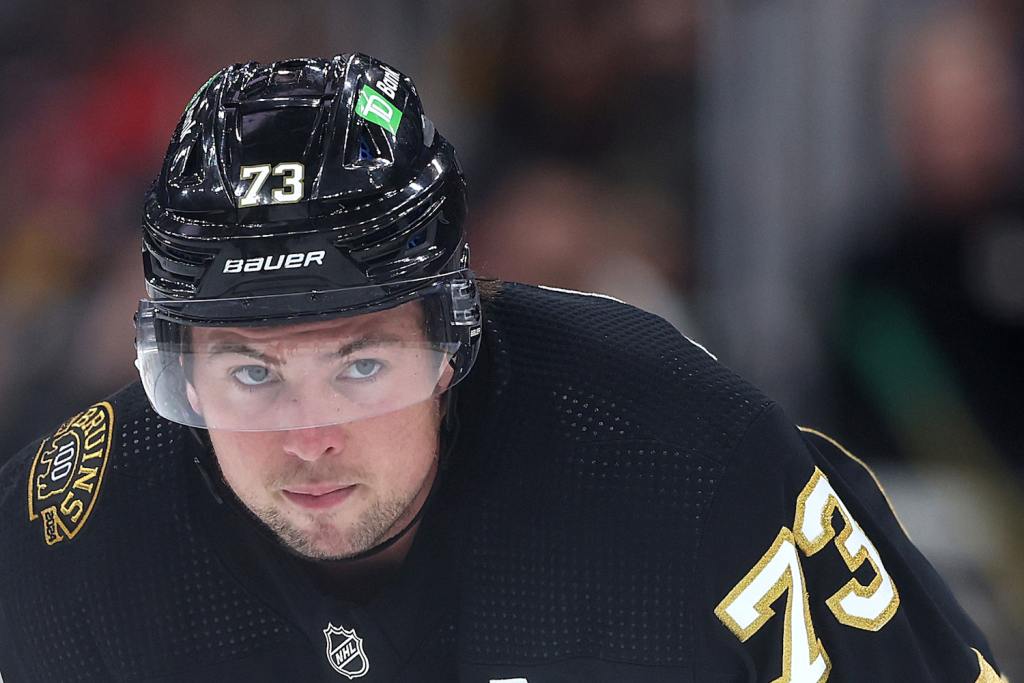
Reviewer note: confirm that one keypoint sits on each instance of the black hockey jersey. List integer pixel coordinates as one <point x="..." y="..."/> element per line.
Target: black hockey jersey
<point x="618" y="507"/>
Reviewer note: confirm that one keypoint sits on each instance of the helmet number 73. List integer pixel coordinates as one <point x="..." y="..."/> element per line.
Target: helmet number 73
<point x="292" y="172"/>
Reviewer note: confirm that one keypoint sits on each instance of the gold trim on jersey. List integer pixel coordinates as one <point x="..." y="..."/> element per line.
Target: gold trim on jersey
<point x="988" y="674"/>
<point x="881" y="489"/>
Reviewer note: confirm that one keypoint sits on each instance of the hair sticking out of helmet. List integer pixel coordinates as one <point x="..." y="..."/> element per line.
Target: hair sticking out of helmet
<point x="298" y="192"/>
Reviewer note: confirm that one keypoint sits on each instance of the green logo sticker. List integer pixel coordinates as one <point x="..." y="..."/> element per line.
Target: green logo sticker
<point x="375" y="108"/>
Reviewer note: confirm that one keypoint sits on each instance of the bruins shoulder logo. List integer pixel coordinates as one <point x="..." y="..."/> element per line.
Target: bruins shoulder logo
<point x="67" y="473"/>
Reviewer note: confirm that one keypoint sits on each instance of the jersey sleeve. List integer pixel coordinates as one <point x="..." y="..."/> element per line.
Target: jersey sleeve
<point x="806" y="575"/>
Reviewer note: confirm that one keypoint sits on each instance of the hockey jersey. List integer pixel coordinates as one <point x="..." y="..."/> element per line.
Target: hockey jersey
<point x="618" y="507"/>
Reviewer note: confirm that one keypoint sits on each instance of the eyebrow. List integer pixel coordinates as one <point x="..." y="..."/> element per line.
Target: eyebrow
<point x="226" y="347"/>
<point x="364" y="342"/>
<point x="234" y="347"/>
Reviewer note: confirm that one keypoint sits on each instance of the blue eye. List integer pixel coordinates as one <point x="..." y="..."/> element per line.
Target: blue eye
<point x="252" y="375"/>
<point x="363" y="368"/>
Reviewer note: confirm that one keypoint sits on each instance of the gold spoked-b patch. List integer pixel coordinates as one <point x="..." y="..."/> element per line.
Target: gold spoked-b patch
<point x="66" y="475"/>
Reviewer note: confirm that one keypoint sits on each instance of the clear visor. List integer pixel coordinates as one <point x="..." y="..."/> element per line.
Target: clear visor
<point x="304" y="374"/>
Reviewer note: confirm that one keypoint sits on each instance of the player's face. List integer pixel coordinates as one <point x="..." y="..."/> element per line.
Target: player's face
<point x="331" y="491"/>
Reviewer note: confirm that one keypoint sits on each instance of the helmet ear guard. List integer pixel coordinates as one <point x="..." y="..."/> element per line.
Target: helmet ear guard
<point x="297" y="193"/>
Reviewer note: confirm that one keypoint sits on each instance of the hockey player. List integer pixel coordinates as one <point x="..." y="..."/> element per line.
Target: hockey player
<point x="310" y="484"/>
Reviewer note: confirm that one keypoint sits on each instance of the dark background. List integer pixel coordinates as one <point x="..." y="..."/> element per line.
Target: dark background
<point x="827" y="194"/>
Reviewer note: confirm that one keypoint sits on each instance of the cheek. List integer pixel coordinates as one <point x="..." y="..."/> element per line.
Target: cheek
<point x="241" y="459"/>
<point x="401" y="446"/>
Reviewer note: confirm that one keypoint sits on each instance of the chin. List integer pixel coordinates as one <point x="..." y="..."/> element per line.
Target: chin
<point x="317" y="541"/>
<point x="324" y="553"/>
<point x="313" y="550"/>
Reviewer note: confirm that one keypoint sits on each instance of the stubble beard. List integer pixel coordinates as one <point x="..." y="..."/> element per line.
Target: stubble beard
<point x="323" y="538"/>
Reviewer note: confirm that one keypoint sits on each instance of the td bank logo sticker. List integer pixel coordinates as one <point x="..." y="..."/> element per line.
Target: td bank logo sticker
<point x="375" y="108"/>
<point x="67" y="473"/>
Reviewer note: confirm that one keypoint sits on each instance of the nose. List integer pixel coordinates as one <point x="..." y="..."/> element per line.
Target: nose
<point x="313" y="443"/>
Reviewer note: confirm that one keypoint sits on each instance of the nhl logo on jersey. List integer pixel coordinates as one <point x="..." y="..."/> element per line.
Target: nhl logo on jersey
<point x="345" y="652"/>
<point x="67" y="473"/>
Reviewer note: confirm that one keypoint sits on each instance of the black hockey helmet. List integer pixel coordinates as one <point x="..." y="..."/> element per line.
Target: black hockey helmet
<point x="294" y="194"/>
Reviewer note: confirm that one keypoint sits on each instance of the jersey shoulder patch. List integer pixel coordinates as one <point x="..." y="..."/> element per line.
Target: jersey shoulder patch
<point x="66" y="475"/>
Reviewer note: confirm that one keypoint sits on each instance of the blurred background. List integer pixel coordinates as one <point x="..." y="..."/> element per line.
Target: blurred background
<point x="827" y="194"/>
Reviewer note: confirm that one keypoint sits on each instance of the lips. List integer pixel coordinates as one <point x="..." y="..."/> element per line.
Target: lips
<point x="318" y="497"/>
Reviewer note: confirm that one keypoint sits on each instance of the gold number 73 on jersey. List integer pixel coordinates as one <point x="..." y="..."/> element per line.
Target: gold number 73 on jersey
<point x="748" y="605"/>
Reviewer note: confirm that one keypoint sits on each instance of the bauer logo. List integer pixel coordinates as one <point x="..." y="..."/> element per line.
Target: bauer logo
<point x="278" y="262"/>
<point x="345" y="652"/>
<point x="66" y="475"/>
<point x="375" y="108"/>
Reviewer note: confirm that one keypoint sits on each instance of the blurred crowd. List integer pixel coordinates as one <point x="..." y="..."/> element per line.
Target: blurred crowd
<point x="926" y="335"/>
<point x="929" y="324"/>
<point x="577" y="124"/>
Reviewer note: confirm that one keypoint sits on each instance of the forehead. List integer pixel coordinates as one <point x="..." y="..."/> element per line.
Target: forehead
<point x="405" y="321"/>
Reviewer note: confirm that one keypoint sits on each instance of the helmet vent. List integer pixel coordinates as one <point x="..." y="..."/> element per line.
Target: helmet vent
<point x="173" y="269"/>
<point x="416" y="240"/>
<point x="364" y="149"/>
<point x="186" y="168"/>
<point x="192" y="171"/>
<point x="421" y="240"/>
<point x="386" y="254"/>
<point x="368" y="146"/>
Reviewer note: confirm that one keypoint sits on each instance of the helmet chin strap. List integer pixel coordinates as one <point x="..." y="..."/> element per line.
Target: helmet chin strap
<point x="384" y="545"/>
<point x="447" y="438"/>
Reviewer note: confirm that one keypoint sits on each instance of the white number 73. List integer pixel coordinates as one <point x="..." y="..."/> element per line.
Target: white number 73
<point x="292" y="172"/>
<point x="747" y="606"/>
